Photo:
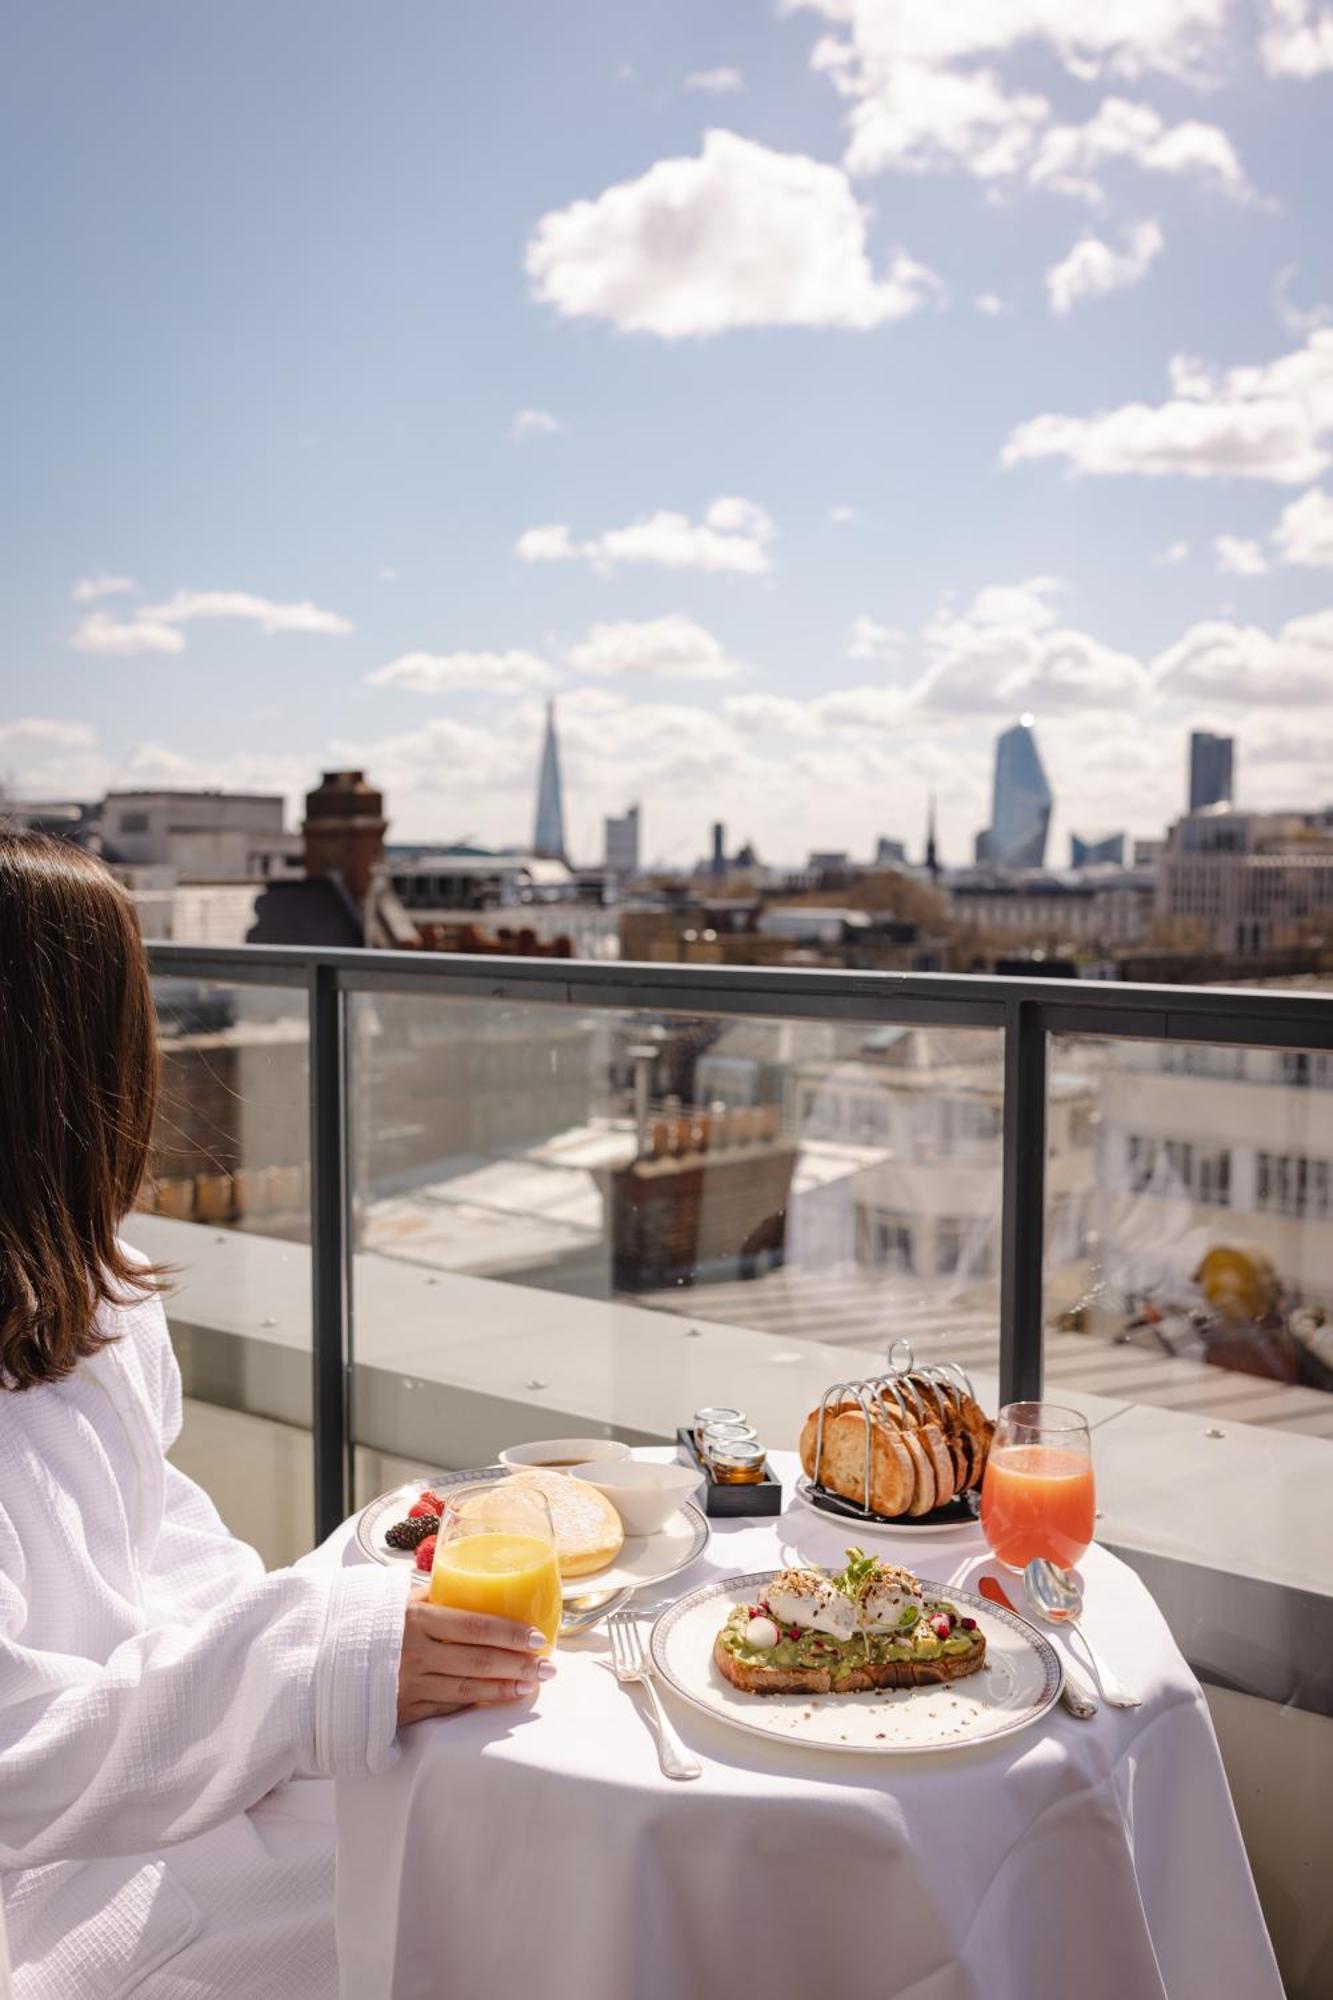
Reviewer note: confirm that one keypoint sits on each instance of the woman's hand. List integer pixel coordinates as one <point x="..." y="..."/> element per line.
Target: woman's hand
<point x="452" y="1659"/>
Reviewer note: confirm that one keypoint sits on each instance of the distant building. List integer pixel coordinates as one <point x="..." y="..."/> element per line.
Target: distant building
<point x="932" y="844"/>
<point x="622" y="842"/>
<point x="1021" y="801"/>
<point x="981" y="846"/>
<point x="719" y="862"/>
<point x="1146" y="853"/>
<point x="1256" y="882"/>
<point x="65" y="819"/>
<point x="1058" y="910"/>
<point x="548" y="839"/>
<point x="1096" y="850"/>
<point x="890" y="853"/>
<point x="1211" y="770"/>
<point x="201" y="836"/>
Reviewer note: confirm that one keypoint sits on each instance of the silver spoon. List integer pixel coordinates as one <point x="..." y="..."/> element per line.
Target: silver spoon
<point x="1055" y="1596"/>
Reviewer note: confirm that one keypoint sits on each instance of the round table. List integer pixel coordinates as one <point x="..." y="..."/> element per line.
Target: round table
<point x="538" y="1850"/>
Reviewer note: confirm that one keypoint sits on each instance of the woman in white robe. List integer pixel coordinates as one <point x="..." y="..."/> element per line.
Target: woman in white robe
<point x="167" y="1709"/>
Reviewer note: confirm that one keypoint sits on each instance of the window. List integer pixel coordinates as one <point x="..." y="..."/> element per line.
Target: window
<point x="133" y="822"/>
<point x="885" y="1240"/>
<point x="1292" y="1184"/>
<point x="1173" y="1166"/>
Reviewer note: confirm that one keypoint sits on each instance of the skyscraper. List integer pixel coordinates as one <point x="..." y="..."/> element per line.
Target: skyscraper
<point x="1096" y="850"/>
<point x="549" y="838"/>
<point x="622" y="842"/>
<point x="1211" y="773"/>
<point x="1021" y="802"/>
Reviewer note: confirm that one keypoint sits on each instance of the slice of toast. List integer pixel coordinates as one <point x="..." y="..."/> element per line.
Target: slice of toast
<point x="752" y="1677"/>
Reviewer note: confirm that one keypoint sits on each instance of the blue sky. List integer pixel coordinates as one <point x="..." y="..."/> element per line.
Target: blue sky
<point x="980" y="360"/>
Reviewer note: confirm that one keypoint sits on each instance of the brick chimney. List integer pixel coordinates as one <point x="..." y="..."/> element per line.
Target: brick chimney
<point x="344" y="830"/>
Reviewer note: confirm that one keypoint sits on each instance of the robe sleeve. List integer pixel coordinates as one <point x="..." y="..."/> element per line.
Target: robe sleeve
<point x="186" y="1724"/>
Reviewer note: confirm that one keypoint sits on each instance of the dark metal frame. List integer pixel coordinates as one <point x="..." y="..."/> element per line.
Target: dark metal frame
<point x="1025" y="1011"/>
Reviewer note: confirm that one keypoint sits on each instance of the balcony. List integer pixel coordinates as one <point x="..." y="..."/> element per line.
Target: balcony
<point x="422" y="1206"/>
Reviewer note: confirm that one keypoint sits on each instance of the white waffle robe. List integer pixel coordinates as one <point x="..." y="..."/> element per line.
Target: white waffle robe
<point x="164" y="1704"/>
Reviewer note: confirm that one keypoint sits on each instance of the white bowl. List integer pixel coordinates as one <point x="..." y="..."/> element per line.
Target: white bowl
<point x="564" y="1454"/>
<point x="644" y="1496"/>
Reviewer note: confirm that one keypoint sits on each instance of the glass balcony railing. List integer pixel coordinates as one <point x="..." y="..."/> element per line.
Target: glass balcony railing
<point x="423" y="1206"/>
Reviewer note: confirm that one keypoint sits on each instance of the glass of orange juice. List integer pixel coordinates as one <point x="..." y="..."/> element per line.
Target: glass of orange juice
<point x="1038" y="1498"/>
<point x="496" y="1552"/>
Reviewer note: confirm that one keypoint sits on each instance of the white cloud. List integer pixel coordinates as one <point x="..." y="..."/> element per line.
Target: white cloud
<point x="920" y="118"/>
<point x="514" y="672"/>
<point x="533" y="423"/>
<point x="926" y="96"/>
<point x="720" y="82"/>
<point x="842" y="517"/>
<point x="89" y="588"/>
<point x="735" y="535"/>
<point x="386" y="573"/>
<point x="1269" y="421"/>
<point x="1093" y="268"/>
<point x="186" y="606"/>
<point x="868" y="640"/>
<point x="1296" y="319"/>
<point x="991" y="304"/>
<point x="550" y="544"/>
<point x="1218" y="660"/>
<point x="1297" y="38"/>
<point x="1007" y="652"/>
<point x="42" y="730"/>
<point x="99" y="632"/>
<point x="1121" y="38"/>
<point x="1304" y="533"/>
<point x="1238" y="555"/>
<point x="740" y="236"/>
<point x="669" y="648"/>
<point x="1176" y="552"/>
<point x="1120" y="132"/>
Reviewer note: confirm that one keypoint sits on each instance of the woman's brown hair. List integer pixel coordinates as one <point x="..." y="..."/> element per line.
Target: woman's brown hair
<point x="78" y="1088"/>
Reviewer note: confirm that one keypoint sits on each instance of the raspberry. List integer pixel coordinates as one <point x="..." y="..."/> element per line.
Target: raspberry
<point x="427" y="1504"/>
<point x="969" y="1624"/>
<point x="431" y="1500"/>
<point x="426" y="1554"/>
<point x="411" y="1533"/>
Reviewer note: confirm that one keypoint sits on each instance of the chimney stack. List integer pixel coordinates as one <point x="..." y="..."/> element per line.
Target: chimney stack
<point x="344" y="830"/>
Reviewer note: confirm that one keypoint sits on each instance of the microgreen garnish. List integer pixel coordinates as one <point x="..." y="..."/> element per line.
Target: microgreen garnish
<point x="857" y="1576"/>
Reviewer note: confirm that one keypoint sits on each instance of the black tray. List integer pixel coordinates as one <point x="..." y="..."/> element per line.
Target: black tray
<point x="721" y="1499"/>
<point x="955" y="1513"/>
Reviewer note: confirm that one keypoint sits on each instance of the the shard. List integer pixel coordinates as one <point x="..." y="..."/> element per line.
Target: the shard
<point x="548" y="840"/>
<point x="1021" y="805"/>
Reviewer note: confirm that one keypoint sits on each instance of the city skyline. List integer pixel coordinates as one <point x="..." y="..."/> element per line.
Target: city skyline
<point x="391" y="411"/>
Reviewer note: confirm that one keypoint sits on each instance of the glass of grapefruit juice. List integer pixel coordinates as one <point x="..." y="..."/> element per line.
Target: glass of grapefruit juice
<point x="1038" y="1498"/>
<point x="496" y="1552"/>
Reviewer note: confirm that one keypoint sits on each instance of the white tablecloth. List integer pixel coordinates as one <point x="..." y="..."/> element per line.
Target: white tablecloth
<point x="537" y="1850"/>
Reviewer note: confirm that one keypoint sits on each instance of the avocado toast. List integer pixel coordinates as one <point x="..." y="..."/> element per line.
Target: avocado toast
<point x="871" y="1626"/>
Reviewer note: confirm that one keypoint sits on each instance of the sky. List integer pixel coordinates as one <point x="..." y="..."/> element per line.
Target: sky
<point x="796" y="390"/>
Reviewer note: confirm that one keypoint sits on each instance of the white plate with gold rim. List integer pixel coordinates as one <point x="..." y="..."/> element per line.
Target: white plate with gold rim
<point x="1017" y="1685"/>
<point x="643" y="1559"/>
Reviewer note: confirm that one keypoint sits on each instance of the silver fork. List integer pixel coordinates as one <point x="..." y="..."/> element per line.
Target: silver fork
<point x="629" y="1665"/>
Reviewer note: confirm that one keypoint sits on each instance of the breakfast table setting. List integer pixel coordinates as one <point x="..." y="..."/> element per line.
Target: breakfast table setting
<point x="977" y="1798"/>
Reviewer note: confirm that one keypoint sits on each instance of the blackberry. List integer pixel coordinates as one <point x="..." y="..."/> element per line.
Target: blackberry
<point x="410" y="1534"/>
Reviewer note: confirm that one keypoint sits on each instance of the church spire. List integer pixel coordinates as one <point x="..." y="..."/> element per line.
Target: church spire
<point x="548" y="839"/>
<point x="932" y="853"/>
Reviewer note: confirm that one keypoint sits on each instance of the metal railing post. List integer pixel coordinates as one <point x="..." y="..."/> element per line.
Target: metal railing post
<point x="1023" y="1212"/>
<point x="330" y="1251"/>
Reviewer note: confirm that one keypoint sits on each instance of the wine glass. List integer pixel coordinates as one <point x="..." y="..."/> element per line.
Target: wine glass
<point x="496" y="1552"/>
<point x="1038" y="1497"/>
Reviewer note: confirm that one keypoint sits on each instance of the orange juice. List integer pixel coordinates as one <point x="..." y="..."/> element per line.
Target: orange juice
<point x="510" y="1576"/>
<point x="1037" y="1500"/>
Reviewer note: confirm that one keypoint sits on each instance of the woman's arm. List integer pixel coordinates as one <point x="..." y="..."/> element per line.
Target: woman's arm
<point x="186" y="1724"/>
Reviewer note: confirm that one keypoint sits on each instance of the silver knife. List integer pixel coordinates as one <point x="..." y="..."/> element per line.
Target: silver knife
<point x="1075" y="1692"/>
